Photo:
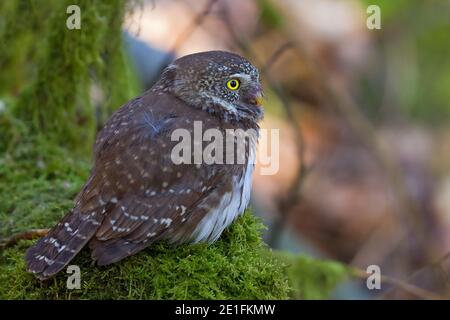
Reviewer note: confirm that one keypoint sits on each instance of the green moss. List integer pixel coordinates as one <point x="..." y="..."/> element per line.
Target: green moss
<point x="312" y="278"/>
<point x="37" y="187"/>
<point x="238" y="266"/>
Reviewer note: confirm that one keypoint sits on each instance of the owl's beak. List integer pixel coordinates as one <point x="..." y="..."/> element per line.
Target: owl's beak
<point x="257" y="97"/>
<point x="259" y="100"/>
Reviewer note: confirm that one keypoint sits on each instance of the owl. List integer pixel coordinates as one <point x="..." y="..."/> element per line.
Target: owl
<point x="136" y="193"/>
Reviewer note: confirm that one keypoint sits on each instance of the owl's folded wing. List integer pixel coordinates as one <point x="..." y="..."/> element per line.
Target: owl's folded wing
<point x="147" y="196"/>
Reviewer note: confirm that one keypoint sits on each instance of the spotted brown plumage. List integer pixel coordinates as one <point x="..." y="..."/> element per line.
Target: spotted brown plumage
<point x="136" y="194"/>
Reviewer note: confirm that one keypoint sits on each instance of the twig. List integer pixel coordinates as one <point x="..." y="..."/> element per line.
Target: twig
<point x="187" y="32"/>
<point x="407" y="287"/>
<point x="26" y="235"/>
<point x="198" y="20"/>
<point x="438" y="263"/>
<point x="132" y="5"/>
<point x="276" y="55"/>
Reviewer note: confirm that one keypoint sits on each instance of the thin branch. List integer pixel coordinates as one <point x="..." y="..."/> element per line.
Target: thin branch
<point x="407" y="287"/>
<point x="439" y="263"/>
<point x="26" y="235"/>
<point x="197" y="21"/>
<point x="276" y="55"/>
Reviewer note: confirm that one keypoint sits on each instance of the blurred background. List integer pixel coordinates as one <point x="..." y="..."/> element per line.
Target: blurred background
<point x="363" y="115"/>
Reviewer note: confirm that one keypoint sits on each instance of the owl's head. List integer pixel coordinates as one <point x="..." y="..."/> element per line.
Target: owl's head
<point x="222" y="83"/>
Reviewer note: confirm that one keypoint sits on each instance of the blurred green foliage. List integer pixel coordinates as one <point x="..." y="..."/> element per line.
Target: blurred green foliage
<point x="310" y="278"/>
<point x="270" y="15"/>
<point x="413" y="72"/>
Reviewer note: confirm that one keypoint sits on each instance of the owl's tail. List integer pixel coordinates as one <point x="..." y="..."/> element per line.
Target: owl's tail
<point x="54" y="251"/>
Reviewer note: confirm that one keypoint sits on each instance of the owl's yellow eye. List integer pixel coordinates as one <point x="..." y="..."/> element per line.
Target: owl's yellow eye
<point x="233" y="84"/>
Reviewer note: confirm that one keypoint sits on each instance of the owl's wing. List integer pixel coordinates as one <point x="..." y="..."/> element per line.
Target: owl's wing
<point x="148" y="196"/>
<point x="137" y="221"/>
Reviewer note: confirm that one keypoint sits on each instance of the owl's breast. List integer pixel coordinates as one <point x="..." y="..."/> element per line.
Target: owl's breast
<point x="231" y="205"/>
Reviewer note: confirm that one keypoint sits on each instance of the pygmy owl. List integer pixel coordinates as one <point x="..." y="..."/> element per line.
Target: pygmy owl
<point x="136" y="193"/>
